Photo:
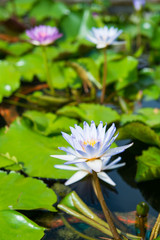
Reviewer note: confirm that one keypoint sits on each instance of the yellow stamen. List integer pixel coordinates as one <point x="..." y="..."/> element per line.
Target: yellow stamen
<point x="91" y="142"/>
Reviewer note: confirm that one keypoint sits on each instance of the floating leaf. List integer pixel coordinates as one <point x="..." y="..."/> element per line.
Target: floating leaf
<point x="24" y="193"/>
<point x="49" y="123"/>
<point x="42" y="10"/>
<point x="90" y="112"/>
<point x="83" y="22"/>
<point x="18" y="48"/>
<point x="9" y="79"/>
<point x="9" y="161"/>
<point x="33" y="150"/>
<point x="148" y="165"/>
<point x="14" y="225"/>
<point x="136" y="130"/>
<point x="149" y="116"/>
<point x="122" y="75"/>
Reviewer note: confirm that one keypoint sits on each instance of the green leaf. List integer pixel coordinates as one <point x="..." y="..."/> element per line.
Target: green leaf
<point x="9" y="161"/>
<point x="10" y="79"/>
<point x="91" y="69"/>
<point x="147" y="28"/>
<point x="136" y="130"/>
<point x="148" y="165"/>
<point x="21" y="7"/>
<point x="29" y="66"/>
<point x="16" y="226"/>
<point x="83" y="22"/>
<point x="149" y="116"/>
<point x="90" y="112"/>
<point x="18" y="48"/>
<point x="4" y="14"/>
<point x="33" y="150"/>
<point x="49" y="123"/>
<point x="122" y="75"/>
<point x="21" y="193"/>
<point x="46" y="8"/>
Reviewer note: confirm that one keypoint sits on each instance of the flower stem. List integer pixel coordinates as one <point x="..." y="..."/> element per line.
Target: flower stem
<point x="104" y="77"/>
<point x="48" y="77"/>
<point x="105" y="209"/>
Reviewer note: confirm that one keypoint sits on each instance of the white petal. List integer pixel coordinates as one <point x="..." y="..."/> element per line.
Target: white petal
<point x="95" y="165"/>
<point x="114" y="151"/>
<point x="66" y="167"/>
<point x="77" y="160"/>
<point x="64" y="157"/>
<point x="114" y="166"/>
<point x="76" y="177"/>
<point x="113" y="162"/>
<point x="103" y="176"/>
<point x="110" y="132"/>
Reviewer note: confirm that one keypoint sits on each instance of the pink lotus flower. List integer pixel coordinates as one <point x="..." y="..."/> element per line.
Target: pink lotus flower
<point x="43" y="35"/>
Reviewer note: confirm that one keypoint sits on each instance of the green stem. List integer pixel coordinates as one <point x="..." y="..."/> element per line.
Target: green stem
<point x="105" y="209"/>
<point x="85" y="219"/>
<point x="104" y="77"/>
<point x="74" y="230"/>
<point x="48" y="77"/>
<point x="139" y="40"/>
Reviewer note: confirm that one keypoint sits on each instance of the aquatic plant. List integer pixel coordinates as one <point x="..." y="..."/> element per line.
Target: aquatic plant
<point x="138" y="4"/>
<point x="42" y="36"/>
<point x="103" y="37"/>
<point x="91" y="152"/>
<point x="91" y="145"/>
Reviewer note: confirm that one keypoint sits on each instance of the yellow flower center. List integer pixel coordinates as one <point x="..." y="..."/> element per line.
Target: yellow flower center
<point x="91" y="142"/>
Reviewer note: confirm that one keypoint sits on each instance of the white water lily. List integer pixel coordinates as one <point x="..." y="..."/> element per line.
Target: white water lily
<point x="90" y="145"/>
<point x="103" y="36"/>
<point x="83" y="170"/>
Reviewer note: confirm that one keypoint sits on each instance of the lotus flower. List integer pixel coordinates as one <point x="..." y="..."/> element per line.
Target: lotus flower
<point x="104" y="36"/>
<point x="83" y="170"/>
<point x="138" y="4"/>
<point x="90" y="145"/>
<point x="43" y="35"/>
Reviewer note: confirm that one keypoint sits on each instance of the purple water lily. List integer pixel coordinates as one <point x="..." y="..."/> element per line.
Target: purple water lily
<point x="90" y="145"/>
<point x="43" y="35"/>
<point x="138" y="4"/>
<point x="103" y="36"/>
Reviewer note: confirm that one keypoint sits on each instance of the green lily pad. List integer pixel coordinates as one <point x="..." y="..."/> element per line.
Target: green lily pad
<point x="16" y="226"/>
<point x="42" y="10"/>
<point x="137" y="130"/>
<point x="83" y="22"/>
<point x="148" y="165"/>
<point x="21" y="193"/>
<point x="10" y="79"/>
<point x="90" y="112"/>
<point x="33" y="150"/>
<point x="49" y="123"/>
<point x="123" y="76"/>
<point x="9" y="161"/>
<point x="149" y="116"/>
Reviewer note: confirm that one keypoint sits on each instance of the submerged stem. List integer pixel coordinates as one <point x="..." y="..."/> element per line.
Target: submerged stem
<point x="74" y="230"/>
<point x="48" y="78"/>
<point x="105" y="209"/>
<point x="104" y="77"/>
